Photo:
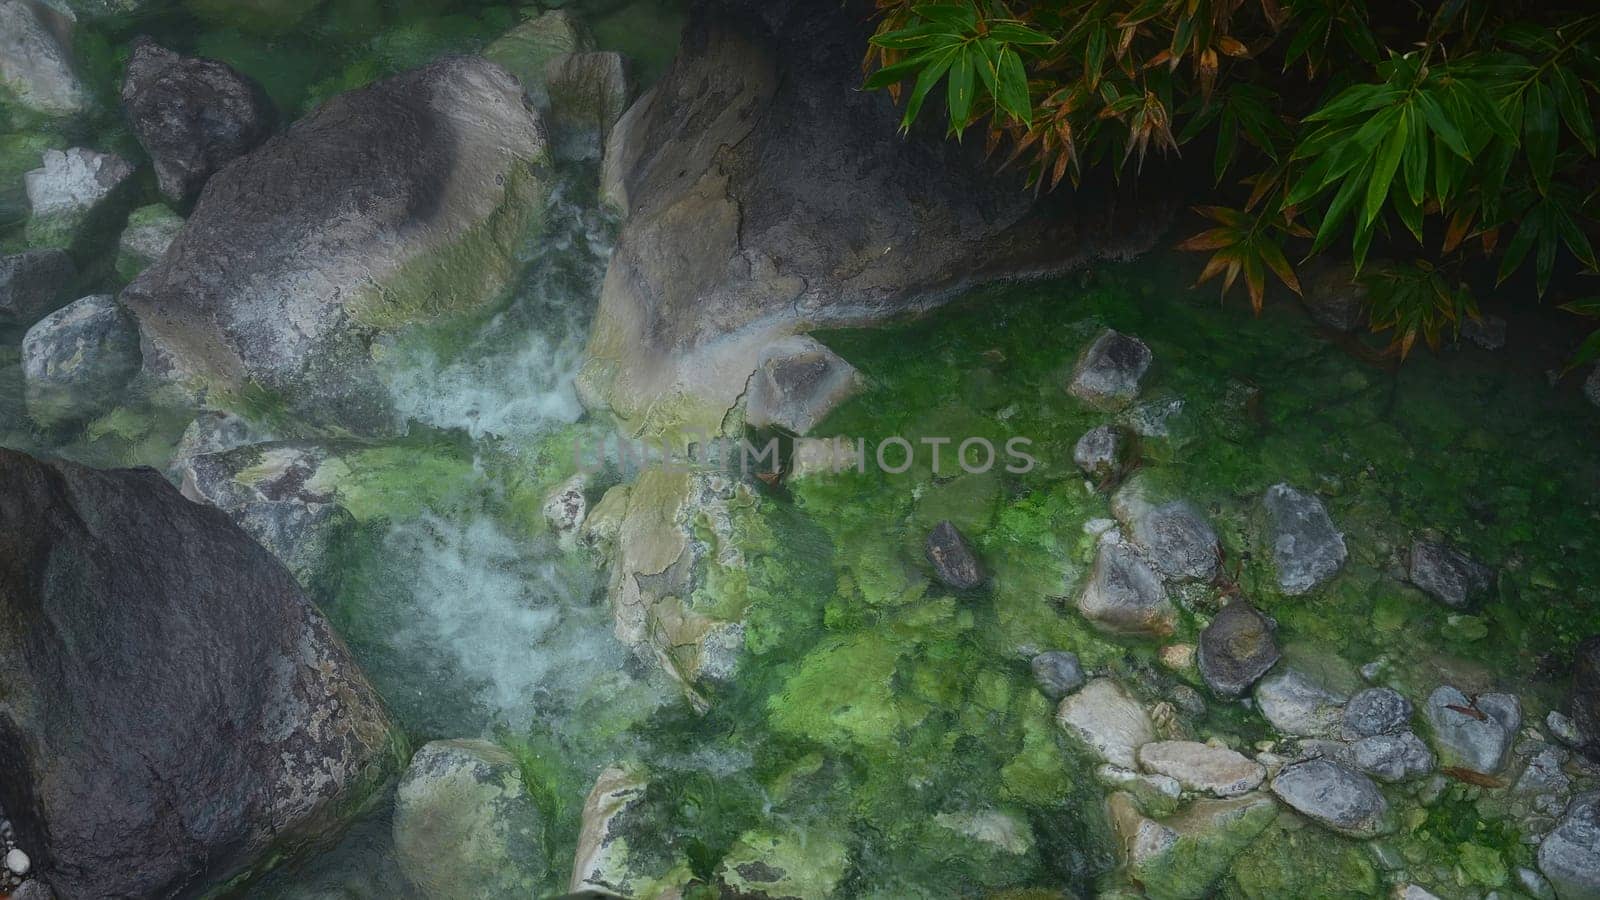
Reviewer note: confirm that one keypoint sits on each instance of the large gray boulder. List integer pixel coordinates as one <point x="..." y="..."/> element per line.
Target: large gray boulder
<point x="1102" y="453"/>
<point x="77" y="361"/>
<point x="176" y="712"/>
<point x="1306" y="549"/>
<point x="769" y="195"/>
<point x="36" y="57"/>
<point x="465" y="825"/>
<point x="1570" y="855"/>
<point x="401" y="202"/>
<point x="192" y="115"/>
<point x="33" y="284"/>
<point x="70" y="191"/>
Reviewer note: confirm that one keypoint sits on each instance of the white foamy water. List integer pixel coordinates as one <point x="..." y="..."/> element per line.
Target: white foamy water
<point x="514" y="376"/>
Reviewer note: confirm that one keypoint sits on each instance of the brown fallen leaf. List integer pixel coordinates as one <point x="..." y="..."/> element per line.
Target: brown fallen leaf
<point x="1472" y="711"/>
<point x="1471" y="777"/>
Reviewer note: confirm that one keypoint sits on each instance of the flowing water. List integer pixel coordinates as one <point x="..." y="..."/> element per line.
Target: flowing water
<point x="888" y="728"/>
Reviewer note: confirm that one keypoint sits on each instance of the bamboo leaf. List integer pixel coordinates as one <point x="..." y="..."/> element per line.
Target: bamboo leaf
<point x="1013" y="86"/>
<point x="1539" y="130"/>
<point x="1383" y="171"/>
<point x="959" y="89"/>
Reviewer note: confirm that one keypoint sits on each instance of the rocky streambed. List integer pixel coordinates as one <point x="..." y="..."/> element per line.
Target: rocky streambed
<point x="583" y="459"/>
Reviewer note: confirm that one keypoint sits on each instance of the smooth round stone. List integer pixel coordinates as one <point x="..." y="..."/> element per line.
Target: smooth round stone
<point x="1057" y="673"/>
<point x="18" y="862"/>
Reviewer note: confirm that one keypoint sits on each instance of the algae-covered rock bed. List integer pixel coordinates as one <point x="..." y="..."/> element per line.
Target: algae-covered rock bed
<point x="1078" y="584"/>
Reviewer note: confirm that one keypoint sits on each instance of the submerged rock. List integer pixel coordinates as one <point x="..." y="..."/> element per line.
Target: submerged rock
<point x="1184" y="855"/>
<point x="1178" y="540"/>
<point x="1236" y="649"/>
<point x="665" y="533"/>
<point x="588" y="93"/>
<point x="277" y="493"/>
<point x="1102" y="453"/>
<point x="1295" y="705"/>
<point x="565" y="507"/>
<point x="69" y="190"/>
<point x="1447" y="574"/>
<point x="1488" y="332"/>
<point x="797" y="382"/>
<point x="608" y="860"/>
<point x="73" y="181"/>
<point x="1306" y="548"/>
<point x="1569" y="856"/>
<point x="1473" y="733"/>
<point x="1057" y="673"/>
<point x="77" y="361"/>
<point x="36" y="57"/>
<point x="954" y="561"/>
<point x="150" y="231"/>
<point x="1333" y="296"/>
<point x="1585" y="702"/>
<point x="212" y="431"/>
<point x="192" y="115"/>
<point x="177" y="711"/>
<point x="404" y="201"/>
<point x="33" y="284"/>
<point x="770" y="196"/>
<point x="784" y="865"/>
<point x="465" y="826"/>
<point x="1108" y="720"/>
<point x="1334" y="796"/>
<point x="1376" y="710"/>
<point x="1217" y="771"/>
<point x="1392" y="757"/>
<point x="1591" y="386"/>
<point x="1124" y="593"/>
<point x="1108" y="373"/>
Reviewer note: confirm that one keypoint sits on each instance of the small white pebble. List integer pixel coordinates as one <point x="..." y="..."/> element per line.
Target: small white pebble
<point x="18" y="862"/>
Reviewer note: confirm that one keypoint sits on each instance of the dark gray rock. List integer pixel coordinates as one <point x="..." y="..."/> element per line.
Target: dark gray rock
<point x="1057" y="672"/>
<point x="1447" y="574"/>
<point x="33" y="889"/>
<point x="1333" y="296"/>
<point x="1488" y="332"/>
<point x="1236" y="649"/>
<point x="465" y="825"/>
<point x="1102" y="453"/>
<point x="1392" y="757"/>
<point x="797" y="382"/>
<point x="1108" y="373"/>
<point x="33" y="284"/>
<point x="588" y="94"/>
<point x="1306" y="548"/>
<point x="1585" y="702"/>
<point x="192" y="115"/>
<point x="954" y="561"/>
<point x="77" y="361"/>
<point x="1176" y="537"/>
<point x="1473" y="733"/>
<point x="1124" y="593"/>
<point x="177" y="712"/>
<point x="1570" y="855"/>
<point x="770" y="195"/>
<point x="273" y="491"/>
<point x="1334" y="796"/>
<point x="1376" y="710"/>
<point x="1591" y="386"/>
<point x="402" y="202"/>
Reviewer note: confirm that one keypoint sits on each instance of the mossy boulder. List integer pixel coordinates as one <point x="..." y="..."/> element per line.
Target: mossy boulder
<point x="465" y="826"/>
<point x="403" y="202"/>
<point x="526" y="51"/>
<point x="1183" y="856"/>
<point x="784" y="866"/>
<point x="149" y="232"/>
